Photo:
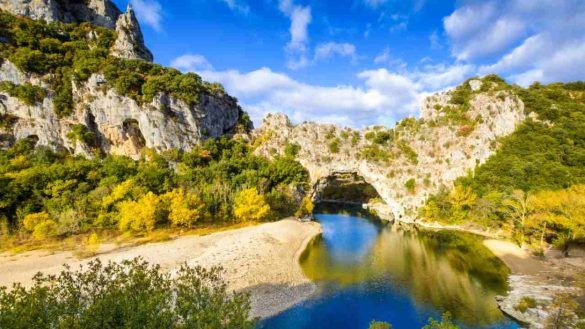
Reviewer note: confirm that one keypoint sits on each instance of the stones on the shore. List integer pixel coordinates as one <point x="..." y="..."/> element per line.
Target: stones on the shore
<point x="537" y="289"/>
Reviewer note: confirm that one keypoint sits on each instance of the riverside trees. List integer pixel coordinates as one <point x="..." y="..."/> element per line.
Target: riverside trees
<point x="44" y="194"/>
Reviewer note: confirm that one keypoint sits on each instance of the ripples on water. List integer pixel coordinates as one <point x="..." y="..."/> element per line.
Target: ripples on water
<point x="369" y="270"/>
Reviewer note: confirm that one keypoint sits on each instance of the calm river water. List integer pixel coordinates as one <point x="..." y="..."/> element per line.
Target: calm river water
<point x="366" y="270"/>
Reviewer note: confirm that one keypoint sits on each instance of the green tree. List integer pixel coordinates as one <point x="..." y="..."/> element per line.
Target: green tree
<point x="380" y="325"/>
<point x="131" y="294"/>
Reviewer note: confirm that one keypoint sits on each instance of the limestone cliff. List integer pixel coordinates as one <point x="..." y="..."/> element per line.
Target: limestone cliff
<point x="129" y="43"/>
<point x="120" y="124"/>
<point x="414" y="159"/>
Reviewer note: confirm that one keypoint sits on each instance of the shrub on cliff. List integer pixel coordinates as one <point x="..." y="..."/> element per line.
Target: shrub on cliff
<point x="131" y="294"/>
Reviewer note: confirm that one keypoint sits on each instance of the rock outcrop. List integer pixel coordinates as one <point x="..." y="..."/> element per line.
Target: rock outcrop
<point x="430" y="152"/>
<point x="99" y="12"/>
<point x="120" y="124"/>
<point x="129" y="43"/>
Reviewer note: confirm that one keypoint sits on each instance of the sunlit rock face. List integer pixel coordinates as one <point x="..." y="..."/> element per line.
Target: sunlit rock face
<point x="129" y="43"/>
<point x="121" y="125"/>
<point x="99" y="12"/>
<point x="430" y="152"/>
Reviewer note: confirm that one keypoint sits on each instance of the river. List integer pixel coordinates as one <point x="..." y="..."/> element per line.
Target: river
<point x="366" y="269"/>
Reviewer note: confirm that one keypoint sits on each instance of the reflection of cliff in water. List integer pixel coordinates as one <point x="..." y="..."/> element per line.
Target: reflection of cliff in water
<point x="446" y="270"/>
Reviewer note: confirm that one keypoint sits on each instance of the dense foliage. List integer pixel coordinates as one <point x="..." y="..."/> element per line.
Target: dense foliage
<point x="69" y="53"/>
<point x="445" y="323"/>
<point x="46" y="194"/>
<point x="132" y="294"/>
<point x="531" y="185"/>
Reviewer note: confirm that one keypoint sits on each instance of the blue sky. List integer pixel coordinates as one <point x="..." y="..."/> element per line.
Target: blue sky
<point x="361" y="62"/>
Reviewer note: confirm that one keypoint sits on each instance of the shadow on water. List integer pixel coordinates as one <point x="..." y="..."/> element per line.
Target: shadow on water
<point x="366" y="269"/>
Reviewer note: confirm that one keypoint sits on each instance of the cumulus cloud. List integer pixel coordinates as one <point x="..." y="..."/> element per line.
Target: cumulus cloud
<point x="149" y="12"/>
<point x="300" y="18"/>
<point x="191" y="63"/>
<point x="523" y="40"/>
<point x="330" y="49"/>
<point x="381" y="96"/>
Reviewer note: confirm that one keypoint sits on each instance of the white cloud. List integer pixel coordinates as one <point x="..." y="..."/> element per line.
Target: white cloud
<point x="300" y="18"/>
<point x="237" y="5"/>
<point x="149" y="12"/>
<point x="191" y="63"/>
<point x="523" y="40"/>
<point x="380" y="97"/>
<point x="330" y="49"/>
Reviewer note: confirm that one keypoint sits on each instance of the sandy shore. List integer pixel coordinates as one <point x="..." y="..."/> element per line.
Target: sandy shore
<point x="261" y="259"/>
<point x="540" y="279"/>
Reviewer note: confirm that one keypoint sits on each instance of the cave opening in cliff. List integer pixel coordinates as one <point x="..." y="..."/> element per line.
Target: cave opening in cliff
<point x="132" y="131"/>
<point x="345" y="187"/>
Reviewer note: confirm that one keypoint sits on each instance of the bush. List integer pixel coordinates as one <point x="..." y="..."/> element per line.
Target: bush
<point x="380" y="325"/>
<point x="334" y="146"/>
<point x="31" y="221"/>
<point x="141" y="215"/>
<point x="305" y="208"/>
<point x="410" y="185"/>
<point x="249" y="205"/>
<point x="525" y="303"/>
<point x="27" y="93"/>
<point x="446" y="323"/>
<point x="46" y="229"/>
<point x="185" y="208"/>
<point x="80" y="133"/>
<point x="132" y="294"/>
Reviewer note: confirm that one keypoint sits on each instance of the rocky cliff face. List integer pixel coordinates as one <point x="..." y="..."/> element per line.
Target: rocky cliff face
<point x="120" y="125"/>
<point x="430" y="152"/>
<point x="99" y="12"/>
<point x="129" y="43"/>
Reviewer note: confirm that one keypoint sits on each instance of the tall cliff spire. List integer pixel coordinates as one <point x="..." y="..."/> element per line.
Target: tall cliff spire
<point x="130" y="42"/>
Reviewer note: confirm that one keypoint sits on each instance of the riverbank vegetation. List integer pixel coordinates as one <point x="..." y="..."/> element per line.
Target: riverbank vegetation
<point x="47" y="196"/>
<point x="130" y="294"/>
<point x="534" y="186"/>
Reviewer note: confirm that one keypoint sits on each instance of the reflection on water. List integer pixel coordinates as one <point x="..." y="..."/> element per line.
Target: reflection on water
<point x="367" y="270"/>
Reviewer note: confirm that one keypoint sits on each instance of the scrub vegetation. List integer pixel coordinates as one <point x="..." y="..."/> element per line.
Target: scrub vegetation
<point x="47" y="196"/>
<point x="534" y="186"/>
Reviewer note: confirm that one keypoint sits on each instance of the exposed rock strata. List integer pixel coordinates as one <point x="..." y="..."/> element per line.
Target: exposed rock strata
<point x="122" y="126"/>
<point x="442" y="151"/>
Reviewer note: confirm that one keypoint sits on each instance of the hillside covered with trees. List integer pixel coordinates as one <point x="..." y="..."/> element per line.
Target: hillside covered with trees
<point x="533" y="186"/>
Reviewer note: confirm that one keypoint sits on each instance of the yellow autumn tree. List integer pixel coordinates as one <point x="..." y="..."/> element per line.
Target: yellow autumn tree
<point x="185" y="208"/>
<point x="250" y="205"/>
<point x="40" y="224"/>
<point x="461" y="199"/>
<point x="119" y="192"/>
<point x="32" y="220"/>
<point x="139" y="216"/>
<point x="305" y="208"/>
<point x="562" y="209"/>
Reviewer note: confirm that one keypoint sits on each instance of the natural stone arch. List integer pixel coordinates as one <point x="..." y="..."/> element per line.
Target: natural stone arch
<point x="344" y="187"/>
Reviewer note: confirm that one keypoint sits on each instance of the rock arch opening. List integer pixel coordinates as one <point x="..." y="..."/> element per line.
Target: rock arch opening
<point x="345" y="187"/>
